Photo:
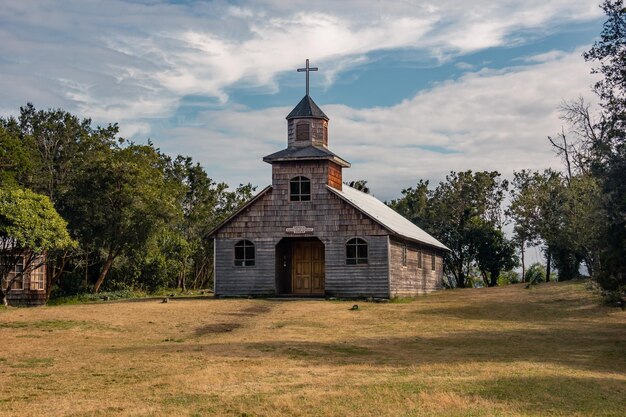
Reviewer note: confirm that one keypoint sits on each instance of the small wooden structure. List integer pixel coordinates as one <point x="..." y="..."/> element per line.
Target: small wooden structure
<point x="308" y="234"/>
<point x="27" y="285"/>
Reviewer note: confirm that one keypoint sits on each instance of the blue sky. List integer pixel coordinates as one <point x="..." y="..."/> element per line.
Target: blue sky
<point x="413" y="89"/>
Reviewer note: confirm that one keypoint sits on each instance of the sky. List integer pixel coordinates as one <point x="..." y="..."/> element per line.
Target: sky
<point x="413" y="89"/>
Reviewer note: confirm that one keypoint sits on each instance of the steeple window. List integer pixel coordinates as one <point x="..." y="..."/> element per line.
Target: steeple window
<point x="303" y="131"/>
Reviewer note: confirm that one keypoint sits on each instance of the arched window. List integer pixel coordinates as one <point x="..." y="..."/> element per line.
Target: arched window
<point x="300" y="189"/>
<point x="244" y="253"/>
<point x="356" y="251"/>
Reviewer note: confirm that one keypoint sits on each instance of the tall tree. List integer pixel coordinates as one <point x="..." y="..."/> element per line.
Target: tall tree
<point x="16" y="162"/>
<point x="120" y="200"/>
<point x="458" y="209"/>
<point x="537" y="208"/>
<point x="608" y="151"/>
<point x="494" y="253"/>
<point x="414" y="203"/>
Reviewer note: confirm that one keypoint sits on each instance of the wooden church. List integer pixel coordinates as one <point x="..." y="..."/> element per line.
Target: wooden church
<point x="309" y="234"/>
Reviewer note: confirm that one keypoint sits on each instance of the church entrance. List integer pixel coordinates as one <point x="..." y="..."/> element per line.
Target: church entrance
<point x="300" y="267"/>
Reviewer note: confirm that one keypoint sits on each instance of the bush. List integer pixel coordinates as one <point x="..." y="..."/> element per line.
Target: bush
<point x="536" y="274"/>
<point x="508" y="277"/>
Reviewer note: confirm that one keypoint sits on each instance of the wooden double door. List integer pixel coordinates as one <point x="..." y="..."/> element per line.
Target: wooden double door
<point x="307" y="268"/>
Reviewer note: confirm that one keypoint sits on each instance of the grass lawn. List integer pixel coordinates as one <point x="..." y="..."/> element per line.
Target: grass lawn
<point x="549" y="350"/>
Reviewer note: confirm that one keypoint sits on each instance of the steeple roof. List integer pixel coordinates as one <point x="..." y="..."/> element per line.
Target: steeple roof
<point x="307" y="108"/>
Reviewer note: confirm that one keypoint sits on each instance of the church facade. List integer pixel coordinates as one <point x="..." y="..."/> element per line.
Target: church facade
<point x="309" y="234"/>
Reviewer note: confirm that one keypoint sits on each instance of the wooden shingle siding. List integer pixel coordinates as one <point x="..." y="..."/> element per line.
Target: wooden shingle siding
<point x="287" y="233"/>
<point x="370" y="280"/>
<point x="244" y="280"/>
<point x="334" y="222"/>
<point x="335" y="178"/>
<point x="317" y="132"/>
<point x="410" y="280"/>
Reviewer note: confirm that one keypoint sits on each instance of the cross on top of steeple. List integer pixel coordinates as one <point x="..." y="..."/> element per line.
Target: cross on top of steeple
<point x="307" y="69"/>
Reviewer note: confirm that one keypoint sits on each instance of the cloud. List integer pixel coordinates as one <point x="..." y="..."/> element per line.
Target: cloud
<point x="131" y="62"/>
<point x="486" y="120"/>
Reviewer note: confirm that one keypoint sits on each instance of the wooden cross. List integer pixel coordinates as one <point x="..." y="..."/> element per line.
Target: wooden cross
<point x="307" y="69"/>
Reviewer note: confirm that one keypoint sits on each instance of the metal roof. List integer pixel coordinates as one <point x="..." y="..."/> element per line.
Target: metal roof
<point x="305" y="153"/>
<point x="385" y="216"/>
<point x="307" y="108"/>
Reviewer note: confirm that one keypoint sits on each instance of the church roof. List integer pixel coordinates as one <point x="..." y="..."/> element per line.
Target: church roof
<point x="368" y="205"/>
<point x="305" y="153"/>
<point x="307" y="108"/>
<point x="385" y="216"/>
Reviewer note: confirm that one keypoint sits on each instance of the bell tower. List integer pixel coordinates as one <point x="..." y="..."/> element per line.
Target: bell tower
<point x="307" y="125"/>
<point x="307" y="152"/>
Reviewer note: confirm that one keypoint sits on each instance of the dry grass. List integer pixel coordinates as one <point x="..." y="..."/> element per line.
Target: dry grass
<point x="551" y="350"/>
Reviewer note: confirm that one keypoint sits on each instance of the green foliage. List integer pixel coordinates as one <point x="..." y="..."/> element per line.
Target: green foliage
<point x="140" y="218"/>
<point x="16" y="162"/>
<point x="97" y="298"/>
<point x="509" y="277"/>
<point x="360" y="185"/>
<point x="30" y="227"/>
<point x="536" y="274"/>
<point x="414" y="203"/>
<point x="465" y="213"/>
<point x="29" y="221"/>
<point x="607" y="145"/>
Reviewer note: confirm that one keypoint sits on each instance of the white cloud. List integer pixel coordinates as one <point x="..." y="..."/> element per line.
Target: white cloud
<point x="490" y="119"/>
<point x="131" y="62"/>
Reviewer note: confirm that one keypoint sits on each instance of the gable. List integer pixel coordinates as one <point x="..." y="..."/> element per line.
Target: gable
<point x="270" y="215"/>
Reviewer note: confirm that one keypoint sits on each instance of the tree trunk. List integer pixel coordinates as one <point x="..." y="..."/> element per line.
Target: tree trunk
<point x="461" y="279"/>
<point x="495" y="274"/>
<point x="485" y="278"/>
<point x="104" y="272"/>
<point x="54" y="276"/>
<point x="522" y="250"/>
<point x="86" y="278"/>
<point x="548" y="264"/>
<point x="3" y="295"/>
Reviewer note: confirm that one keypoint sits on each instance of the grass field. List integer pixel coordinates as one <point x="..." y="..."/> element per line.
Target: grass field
<point x="549" y="350"/>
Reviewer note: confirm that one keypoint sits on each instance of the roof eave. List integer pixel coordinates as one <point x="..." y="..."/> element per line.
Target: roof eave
<point x="307" y="117"/>
<point x="339" y="161"/>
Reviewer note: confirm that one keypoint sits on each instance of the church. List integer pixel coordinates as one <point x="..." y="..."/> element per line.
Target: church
<point x="309" y="234"/>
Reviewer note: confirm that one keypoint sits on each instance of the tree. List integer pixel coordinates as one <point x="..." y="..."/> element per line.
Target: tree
<point x="456" y="212"/>
<point x="360" y="185"/>
<point x="61" y="143"/>
<point x="494" y="253"/>
<point x="414" y="203"/>
<point x="608" y="150"/>
<point x="15" y="158"/>
<point x="120" y="200"/>
<point x="204" y="204"/>
<point x="465" y="202"/>
<point x="537" y="207"/>
<point x="524" y="211"/>
<point x="29" y="228"/>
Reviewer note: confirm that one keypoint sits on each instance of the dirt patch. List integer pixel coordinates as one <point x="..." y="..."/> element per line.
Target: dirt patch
<point x="217" y="328"/>
<point x="250" y="311"/>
